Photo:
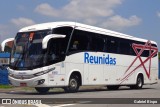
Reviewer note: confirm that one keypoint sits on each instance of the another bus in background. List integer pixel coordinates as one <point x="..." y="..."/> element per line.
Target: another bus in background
<point x="6" y="45"/>
<point x="5" y="50"/>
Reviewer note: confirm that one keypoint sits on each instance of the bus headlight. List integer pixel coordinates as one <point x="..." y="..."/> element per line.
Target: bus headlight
<point x="11" y="75"/>
<point x="44" y="72"/>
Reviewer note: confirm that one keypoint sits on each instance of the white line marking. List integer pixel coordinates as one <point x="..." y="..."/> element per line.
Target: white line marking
<point x="64" y="105"/>
<point x="12" y="91"/>
<point x="83" y="102"/>
<point x="44" y="105"/>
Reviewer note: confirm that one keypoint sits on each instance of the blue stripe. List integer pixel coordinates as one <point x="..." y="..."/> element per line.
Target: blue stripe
<point x="4" y="77"/>
<point x="4" y="55"/>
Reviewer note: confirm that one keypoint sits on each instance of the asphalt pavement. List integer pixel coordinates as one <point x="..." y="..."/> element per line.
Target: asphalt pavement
<point x="92" y="96"/>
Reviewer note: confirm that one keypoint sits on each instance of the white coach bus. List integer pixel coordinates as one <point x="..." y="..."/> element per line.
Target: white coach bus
<point x="70" y="55"/>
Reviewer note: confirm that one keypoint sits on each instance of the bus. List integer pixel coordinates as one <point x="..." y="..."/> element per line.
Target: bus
<point x="6" y="45"/>
<point x="69" y="55"/>
<point x="5" y="49"/>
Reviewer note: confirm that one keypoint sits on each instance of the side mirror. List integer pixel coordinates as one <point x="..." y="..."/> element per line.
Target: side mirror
<point x="48" y="37"/>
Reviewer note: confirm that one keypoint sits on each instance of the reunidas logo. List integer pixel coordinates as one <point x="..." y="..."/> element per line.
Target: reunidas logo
<point x="105" y="59"/>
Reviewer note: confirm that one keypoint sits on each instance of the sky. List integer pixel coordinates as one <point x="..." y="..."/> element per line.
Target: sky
<point x="140" y="18"/>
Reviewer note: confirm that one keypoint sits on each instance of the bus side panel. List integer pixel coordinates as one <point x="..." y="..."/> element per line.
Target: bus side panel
<point x="73" y="63"/>
<point x="95" y="74"/>
<point x="152" y="71"/>
<point x="133" y="67"/>
<point x="56" y="77"/>
<point x="92" y="74"/>
<point x="124" y="72"/>
<point x="118" y="74"/>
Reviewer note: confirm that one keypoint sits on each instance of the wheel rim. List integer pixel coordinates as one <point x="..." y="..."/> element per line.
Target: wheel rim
<point x="73" y="84"/>
<point x="139" y="82"/>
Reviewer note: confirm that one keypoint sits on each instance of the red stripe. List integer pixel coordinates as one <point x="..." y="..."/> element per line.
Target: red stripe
<point x="142" y="47"/>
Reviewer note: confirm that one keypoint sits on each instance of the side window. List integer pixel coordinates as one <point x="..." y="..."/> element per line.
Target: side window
<point x="79" y="41"/>
<point x="124" y="47"/>
<point x="131" y="51"/>
<point x="55" y="51"/>
<point x="112" y="45"/>
<point x="64" y="31"/>
<point x="154" y="45"/>
<point x="97" y="43"/>
<point x="145" y="52"/>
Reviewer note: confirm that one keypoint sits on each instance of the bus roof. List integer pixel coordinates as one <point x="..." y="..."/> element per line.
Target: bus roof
<point x="80" y="26"/>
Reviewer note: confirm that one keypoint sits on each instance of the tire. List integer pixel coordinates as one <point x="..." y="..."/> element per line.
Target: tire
<point x="139" y="83"/>
<point x="113" y="87"/>
<point x="42" y="90"/>
<point x="73" y="85"/>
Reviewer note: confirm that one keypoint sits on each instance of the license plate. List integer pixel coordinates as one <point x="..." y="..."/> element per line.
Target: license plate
<point x="23" y="84"/>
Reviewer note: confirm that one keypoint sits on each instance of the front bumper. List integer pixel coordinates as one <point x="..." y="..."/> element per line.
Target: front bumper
<point x="33" y="82"/>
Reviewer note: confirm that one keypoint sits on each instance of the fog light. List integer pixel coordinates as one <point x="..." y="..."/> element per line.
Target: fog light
<point x="41" y="81"/>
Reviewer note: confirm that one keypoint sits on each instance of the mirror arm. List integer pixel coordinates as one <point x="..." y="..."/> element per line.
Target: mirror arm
<point x="48" y="37"/>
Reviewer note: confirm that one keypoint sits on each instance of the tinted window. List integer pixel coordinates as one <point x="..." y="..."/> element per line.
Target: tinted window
<point x="64" y="31"/>
<point x="112" y="45"/>
<point x="57" y="47"/>
<point x="79" y="41"/>
<point x="97" y="43"/>
<point x="124" y="47"/>
<point x="145" y="52"/>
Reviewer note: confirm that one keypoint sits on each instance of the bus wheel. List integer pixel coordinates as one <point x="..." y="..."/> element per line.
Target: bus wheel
<point x="113" y="87"/>
<point x="42" y="90"/>
<point x="73" y="85"/>
<point x="139" y="83"/>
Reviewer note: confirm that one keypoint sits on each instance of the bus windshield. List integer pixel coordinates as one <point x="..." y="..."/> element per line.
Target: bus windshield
<point x="27" y="52"/>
